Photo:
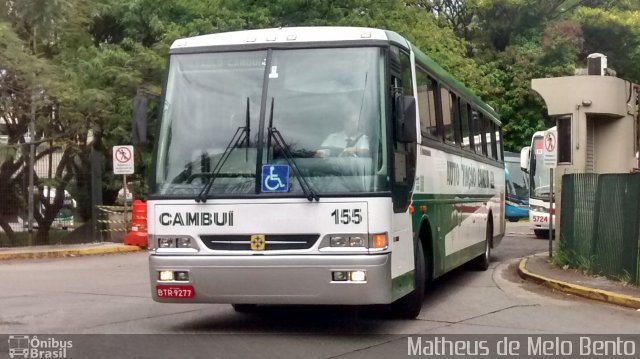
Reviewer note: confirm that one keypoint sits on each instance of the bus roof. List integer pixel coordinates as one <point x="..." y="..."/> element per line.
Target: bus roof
<point x="288" y="35"/>
<point x="541" y="133"/>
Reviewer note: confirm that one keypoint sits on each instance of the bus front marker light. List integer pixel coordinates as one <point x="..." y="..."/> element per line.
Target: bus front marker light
<point x="379" y="241"/>
<point x="356" y="241"/>
<point x="338" y="241"/>
<point x="358" y="276"/>
<point x="340" y="276"/>
<point x="183" y="242"/>
<point x="165" y="276"/>
<point x="165" y="243"/>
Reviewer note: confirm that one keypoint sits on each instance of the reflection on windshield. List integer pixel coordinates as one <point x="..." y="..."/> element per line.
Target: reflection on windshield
<point x="539" y="171"/>
<point x="328" y="109"/>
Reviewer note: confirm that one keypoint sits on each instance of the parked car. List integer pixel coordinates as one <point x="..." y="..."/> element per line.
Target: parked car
<point x="64" y="218"/>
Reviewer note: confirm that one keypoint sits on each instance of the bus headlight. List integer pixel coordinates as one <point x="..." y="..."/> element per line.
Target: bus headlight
<point x="347" y="241"/>
<point x="358" y="276"/>
<point x="171" y="242"/>
<point x="171" y="276"/>
<point x="356" y="241"/>
<point x="338" y="241"/>
<point x="349" y="276"/>
<point x="165" y="276"/>
<point x="183" y="242"/>
<point x="541" y="209"/>
<point x="165" y="243"/>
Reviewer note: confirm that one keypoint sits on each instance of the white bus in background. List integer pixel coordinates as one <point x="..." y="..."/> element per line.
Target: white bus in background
<point x="532" y="162"/>
<point x="250" y="205"/>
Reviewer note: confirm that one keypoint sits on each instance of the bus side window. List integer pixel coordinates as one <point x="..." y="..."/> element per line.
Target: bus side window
<point x="404" y="164"/>
<point x="448" y="115"/>
<point x="426" y="103"/>
<point x="455" y="117"/>
<point x="487" y="136"/>
<point x="499" y="143"/>
<point x="478" y="125"/>
<point x="494" y="147"/>
<point x="467" y="137"/>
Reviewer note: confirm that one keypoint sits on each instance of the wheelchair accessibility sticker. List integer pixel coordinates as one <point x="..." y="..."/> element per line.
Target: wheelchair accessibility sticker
<point x="275" y="178"/>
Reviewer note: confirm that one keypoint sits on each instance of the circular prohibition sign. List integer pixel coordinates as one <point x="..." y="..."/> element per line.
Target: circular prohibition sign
<point x="550" y="142"/>
<point x="123" y="155"/>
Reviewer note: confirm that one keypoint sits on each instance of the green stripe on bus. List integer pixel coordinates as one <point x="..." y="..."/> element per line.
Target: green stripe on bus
<point x="441" y="215"/>
<point x="403" y="285"/>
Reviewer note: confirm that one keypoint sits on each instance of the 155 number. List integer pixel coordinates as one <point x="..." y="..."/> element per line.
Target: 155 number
<point x="346" y="216"/>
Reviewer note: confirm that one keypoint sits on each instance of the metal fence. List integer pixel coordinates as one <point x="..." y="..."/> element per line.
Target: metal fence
<point x="74" y="220"/>
<point x="600" y="224"/>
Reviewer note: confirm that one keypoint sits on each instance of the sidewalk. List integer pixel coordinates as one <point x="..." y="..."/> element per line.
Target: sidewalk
<point x="537" y="268"/>
<point x="67" y="250"/>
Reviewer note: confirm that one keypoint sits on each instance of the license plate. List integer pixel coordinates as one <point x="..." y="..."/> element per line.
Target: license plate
<point x="175" y="291"/>
<point x="539" y="218"/>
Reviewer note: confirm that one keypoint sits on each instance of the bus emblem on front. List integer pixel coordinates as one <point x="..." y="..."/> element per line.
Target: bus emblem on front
<point x="257" y="242"/>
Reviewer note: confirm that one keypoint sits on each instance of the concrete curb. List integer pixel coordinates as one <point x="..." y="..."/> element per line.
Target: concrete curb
<point x="579" y="290"/>
<point x="58" y="253"/>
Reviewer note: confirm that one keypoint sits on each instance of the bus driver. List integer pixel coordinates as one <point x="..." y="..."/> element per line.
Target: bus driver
<point x="350" y="142"/>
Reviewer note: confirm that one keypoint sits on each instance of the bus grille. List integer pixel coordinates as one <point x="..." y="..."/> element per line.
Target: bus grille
<point x="273" y="242"/>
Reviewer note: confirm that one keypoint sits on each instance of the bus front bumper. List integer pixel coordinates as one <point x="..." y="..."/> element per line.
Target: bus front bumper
<point x="294" y="279"/>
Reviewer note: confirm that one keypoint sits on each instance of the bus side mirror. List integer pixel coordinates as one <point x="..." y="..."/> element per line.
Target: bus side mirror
<point x="525" y="154"/>
<point x="139" y="119"/>
<point x="405" y="117"/>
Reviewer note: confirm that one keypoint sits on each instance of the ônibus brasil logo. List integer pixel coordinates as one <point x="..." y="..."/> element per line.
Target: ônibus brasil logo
<point x="25" y="346"/>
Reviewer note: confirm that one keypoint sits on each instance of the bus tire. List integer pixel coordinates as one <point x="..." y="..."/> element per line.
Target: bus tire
<point x="482" y="262"/>
<point x="244" y="308"/>
<point x="409" y="306"/>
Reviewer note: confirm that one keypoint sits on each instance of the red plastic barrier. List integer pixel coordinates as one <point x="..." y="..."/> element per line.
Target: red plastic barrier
<point x="138" y="234"/>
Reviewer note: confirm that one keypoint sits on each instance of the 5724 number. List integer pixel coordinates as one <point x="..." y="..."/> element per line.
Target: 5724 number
<point x="346" y="216"/>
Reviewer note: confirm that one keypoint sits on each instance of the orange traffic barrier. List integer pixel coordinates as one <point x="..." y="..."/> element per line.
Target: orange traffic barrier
<point x="138" y="234"/>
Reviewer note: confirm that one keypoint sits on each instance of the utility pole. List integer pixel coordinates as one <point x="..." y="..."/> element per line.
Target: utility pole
<point x="32" y="155"/>
<point x="32" y="149"/>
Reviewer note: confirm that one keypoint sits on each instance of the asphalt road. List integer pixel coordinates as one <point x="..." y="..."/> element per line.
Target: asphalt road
<point x="110" y="295"/>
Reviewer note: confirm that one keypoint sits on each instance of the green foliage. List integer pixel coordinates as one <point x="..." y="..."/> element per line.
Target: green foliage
<point x="616" y="34"/>
<point x="561" y="257"/>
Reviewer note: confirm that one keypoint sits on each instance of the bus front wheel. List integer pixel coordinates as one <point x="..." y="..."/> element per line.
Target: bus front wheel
<point x="409" y="306"/>
<point x="482" y="261"/>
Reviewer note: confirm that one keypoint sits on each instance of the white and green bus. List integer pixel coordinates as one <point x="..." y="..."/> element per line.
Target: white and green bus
<point x="319" y="165"/>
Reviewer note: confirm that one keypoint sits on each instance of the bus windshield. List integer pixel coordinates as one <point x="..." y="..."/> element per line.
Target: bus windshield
<point x="517" y="186"/>
<point x="539" y="171"/>
<point x="326" y="104"/>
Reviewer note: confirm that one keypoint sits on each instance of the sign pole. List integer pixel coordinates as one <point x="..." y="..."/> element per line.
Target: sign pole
<point x="124" y="182"/>
<point x="550" y="160"/>
<point x="123" y="164"/>
<point x="551" y="212"/>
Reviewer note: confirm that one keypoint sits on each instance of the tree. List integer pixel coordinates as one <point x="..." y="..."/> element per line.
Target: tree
<point x="34" y="92"/>
<point x="615" y="33"/>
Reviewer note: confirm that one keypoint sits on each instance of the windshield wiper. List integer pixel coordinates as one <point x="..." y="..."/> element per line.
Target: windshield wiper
<point x="280" y="142"/>
<point x="235" y="142"/>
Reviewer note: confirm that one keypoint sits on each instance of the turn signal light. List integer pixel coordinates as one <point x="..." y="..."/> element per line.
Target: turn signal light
<point x="379" y="241"/>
